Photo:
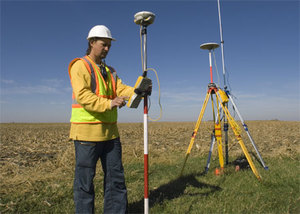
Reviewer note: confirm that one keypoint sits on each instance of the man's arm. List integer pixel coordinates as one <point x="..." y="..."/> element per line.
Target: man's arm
<point x="123" y="90"/>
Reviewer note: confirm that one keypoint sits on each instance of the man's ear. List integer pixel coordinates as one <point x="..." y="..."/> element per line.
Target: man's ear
<point x="91" y="42"/>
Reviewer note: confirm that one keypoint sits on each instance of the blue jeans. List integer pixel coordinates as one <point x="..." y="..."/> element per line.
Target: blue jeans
<point x="87" y="155"/>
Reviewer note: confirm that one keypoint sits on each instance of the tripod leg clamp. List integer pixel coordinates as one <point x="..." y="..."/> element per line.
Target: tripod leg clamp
<point x="224" y="96"/>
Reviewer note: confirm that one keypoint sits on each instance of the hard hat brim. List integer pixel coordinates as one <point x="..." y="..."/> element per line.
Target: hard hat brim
<point x="113" y="39"/>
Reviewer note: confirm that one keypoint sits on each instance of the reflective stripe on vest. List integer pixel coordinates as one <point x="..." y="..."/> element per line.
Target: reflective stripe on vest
<point x="93" y="78"/>
<point x="102" y="88"/>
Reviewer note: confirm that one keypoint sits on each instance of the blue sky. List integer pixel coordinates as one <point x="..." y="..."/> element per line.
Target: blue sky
<point x="40" y="38"/>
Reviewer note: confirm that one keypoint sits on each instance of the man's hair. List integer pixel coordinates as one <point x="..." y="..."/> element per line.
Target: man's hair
<point x="91" y="40"/>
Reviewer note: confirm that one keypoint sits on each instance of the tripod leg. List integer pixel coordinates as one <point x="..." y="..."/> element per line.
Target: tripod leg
<point x="224" y="98"/>
<point x="248" y="133"/>
<point x="213" y="140"/>
<point x="252" y="166"/>
<point x="219" y="141"/>
<point x="236" y="131"/>
<point x="226" y="138"/>
<point x="195" y="131"/>
<point x="218" y="135"/>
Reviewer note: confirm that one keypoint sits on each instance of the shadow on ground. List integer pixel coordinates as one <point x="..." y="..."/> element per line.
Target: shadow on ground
<point x="173" y="189"/>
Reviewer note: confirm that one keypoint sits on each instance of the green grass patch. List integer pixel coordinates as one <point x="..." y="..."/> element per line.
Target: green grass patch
<point x="194" y="192"/>
<point x="232" y="192"/>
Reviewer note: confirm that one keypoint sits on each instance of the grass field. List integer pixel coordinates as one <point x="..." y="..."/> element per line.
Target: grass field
<point x="37" y="168"/>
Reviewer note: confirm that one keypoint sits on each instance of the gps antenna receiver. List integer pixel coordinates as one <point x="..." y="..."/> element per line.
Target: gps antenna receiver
<point x="144" y="18"/>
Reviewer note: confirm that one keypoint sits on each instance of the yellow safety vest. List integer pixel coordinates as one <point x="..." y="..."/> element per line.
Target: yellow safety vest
<point x="101" y="89"/>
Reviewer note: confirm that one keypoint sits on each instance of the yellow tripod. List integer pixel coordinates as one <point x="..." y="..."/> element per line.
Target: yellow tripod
<point x="222" y="99"/>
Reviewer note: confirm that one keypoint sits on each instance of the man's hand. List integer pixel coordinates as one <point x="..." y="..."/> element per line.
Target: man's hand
<point x="119" y="102"/>
<point x="144" y="90"/>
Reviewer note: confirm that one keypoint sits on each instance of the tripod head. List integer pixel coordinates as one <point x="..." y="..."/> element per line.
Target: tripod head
<point x="144" y="18"/>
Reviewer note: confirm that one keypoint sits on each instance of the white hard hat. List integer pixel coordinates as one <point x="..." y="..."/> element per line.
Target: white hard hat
<point x="100" y="31"/>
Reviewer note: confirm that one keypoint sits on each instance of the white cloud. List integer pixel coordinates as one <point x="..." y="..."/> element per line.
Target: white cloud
<point x="181" y="95"/>
<point x="53" y="82"/>
<point x="38" y="89"/>
<point x="50" y="86"/>
<point x="7" y="81"/>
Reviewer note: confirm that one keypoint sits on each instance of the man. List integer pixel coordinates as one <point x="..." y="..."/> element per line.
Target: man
<point x="97" y="92"/>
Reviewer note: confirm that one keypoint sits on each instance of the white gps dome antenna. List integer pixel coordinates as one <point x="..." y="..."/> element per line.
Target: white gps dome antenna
<point x="144" y="18"/>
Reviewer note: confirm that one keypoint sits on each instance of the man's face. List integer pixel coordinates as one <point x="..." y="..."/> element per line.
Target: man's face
<point x="101" y="47"/>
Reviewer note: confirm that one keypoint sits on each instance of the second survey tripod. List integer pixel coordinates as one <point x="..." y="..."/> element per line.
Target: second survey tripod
<point x="221" y="100"/>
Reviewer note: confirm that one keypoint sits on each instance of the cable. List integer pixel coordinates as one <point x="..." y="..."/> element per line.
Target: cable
<point x="151" y="69"/>
<point x="141" y="39"/>
<point x="160" y="114"/>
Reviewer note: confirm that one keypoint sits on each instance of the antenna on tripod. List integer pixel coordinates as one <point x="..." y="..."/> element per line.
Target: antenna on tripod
<point x="209" y="47"/>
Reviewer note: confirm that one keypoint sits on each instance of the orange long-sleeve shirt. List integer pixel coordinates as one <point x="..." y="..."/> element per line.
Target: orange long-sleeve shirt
<point x="81" y="84"/>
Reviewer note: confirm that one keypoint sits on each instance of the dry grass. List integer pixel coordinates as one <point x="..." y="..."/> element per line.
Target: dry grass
<point x="33" y="153"/>
<point x="273" y="138"/>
